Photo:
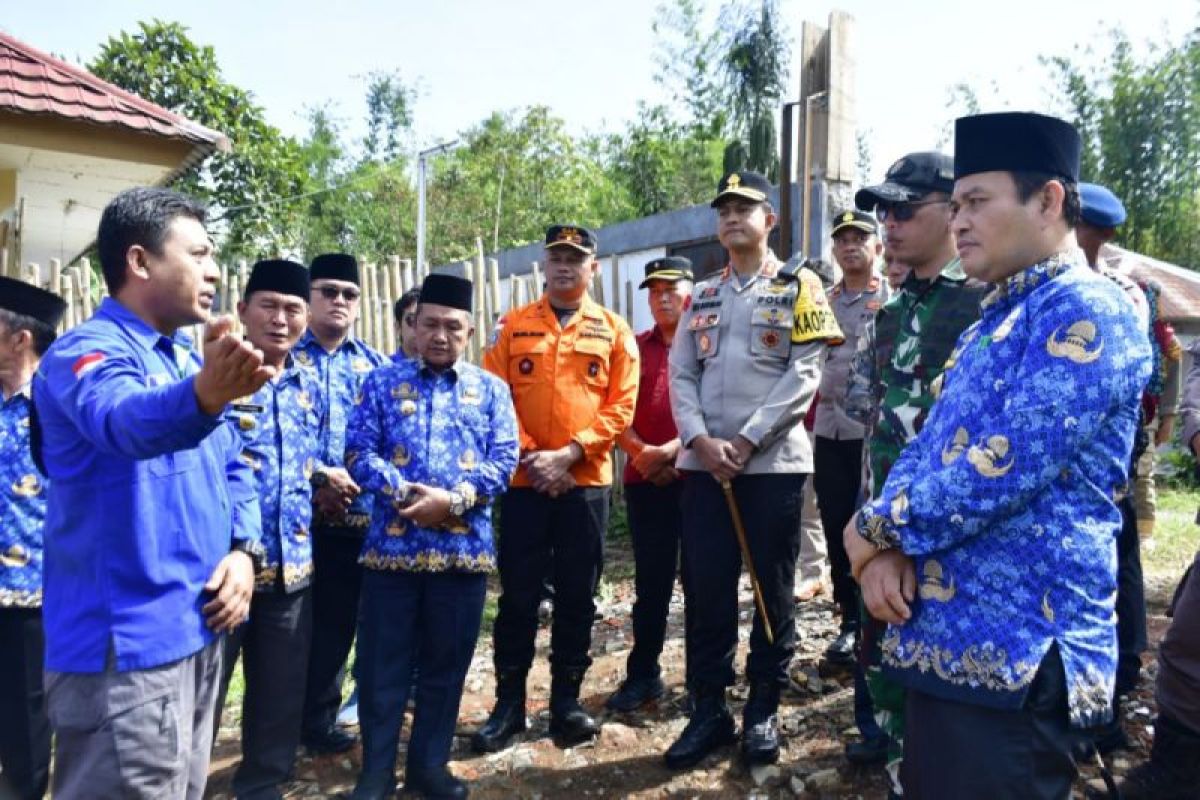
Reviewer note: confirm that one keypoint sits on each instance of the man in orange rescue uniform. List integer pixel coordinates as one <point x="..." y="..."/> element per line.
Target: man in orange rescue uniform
<point x="573" y="368"/>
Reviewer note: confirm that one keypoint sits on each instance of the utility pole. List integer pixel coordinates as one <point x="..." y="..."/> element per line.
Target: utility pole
<point x="422" y="157"/>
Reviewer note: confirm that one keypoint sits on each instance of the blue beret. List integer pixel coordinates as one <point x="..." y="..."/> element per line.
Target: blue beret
<point x="1101" y="207"/>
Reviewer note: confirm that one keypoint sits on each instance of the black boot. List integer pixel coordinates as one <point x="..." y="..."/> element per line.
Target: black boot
<point x="635" y="693"/>
<point x="710" y="727"/>
<point x="508" y="715"/>
<point x="434" y="783"/>
<point x="1173" y="771"/>
<point x="760" y="724"/>
<point x="569" y="723"/>
<point x="374" y="786"/>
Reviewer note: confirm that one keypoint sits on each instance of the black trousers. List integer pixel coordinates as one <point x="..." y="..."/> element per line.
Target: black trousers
<point x="656" y="527"/>
<point x="837" y="482"/>
<point x="770" y="509"/>
<point x="564" y="535"/>
<point x="1131" y="600"/>
<point x="24" y="728"/>
<point x="337" y="580"/>
<point x="959" y="750"/>
<point x="427" y="620"/>
<point x="274" y="645"/>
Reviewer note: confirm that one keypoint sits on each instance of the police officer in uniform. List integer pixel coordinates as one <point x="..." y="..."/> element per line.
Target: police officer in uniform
<point x="744" y="368"/>
<point x="278" y="428"/>
<point x="28" y="317"/>
<point x="572" y="366"/>
<point x="341" y="362"/>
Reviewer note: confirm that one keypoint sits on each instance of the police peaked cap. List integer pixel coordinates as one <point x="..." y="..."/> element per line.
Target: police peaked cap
<point x="745" y="184"/>
<point x="853" y="218"/>
<point x="1101" y="207"/>
<point x="1016" y="142"/>
<point x="278" y="275"/>
<point x="335" y="266"/>
<point x="669" y="268"/>
<point x="28" y="300"/>
<point x="447" y="290"/>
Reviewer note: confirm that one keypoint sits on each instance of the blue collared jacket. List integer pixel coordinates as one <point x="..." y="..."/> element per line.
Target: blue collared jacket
<point x="22" y="508"/>
<point x="340" y="375"/>
<point x="453" y="430"/>
<point x="280" y="428"/>
<point x="147" y="494"/>
<point x="1004" y="499"/>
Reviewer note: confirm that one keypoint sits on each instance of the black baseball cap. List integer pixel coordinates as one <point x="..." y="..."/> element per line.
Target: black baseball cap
<point x="574" y="236"/>
<point x="745" y="184"/>
<point x="669" y="268"/>
<point x="853" y="218"/>
<point x="910" y="178"/>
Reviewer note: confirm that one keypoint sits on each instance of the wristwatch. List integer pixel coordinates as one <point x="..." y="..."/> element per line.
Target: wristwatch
<point x="254" y="549"/>
<point x="458" y="504"/>
<point x="319" y="479"/>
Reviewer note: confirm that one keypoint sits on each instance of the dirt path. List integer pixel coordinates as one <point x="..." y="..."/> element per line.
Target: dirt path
<point x="626" y="759"/>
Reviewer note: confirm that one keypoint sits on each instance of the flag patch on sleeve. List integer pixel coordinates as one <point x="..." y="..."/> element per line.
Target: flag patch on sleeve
<point x="86" y="363"/>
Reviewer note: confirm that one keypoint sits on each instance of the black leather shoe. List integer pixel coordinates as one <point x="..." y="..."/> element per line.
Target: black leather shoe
<point x="841" y="652"/>
<point x="506" y="720"/>
<point x="710" y="727"/>
<point x="635" y="693"/>
<point x="333" y="740"/>
<point x="434" y="783"/>
<point x="508" y="715"/>
<point x="374" y="786"/>
<point x="569" y="723"/>
<point x="760" y="724"/>
<point x="868" y="751"/>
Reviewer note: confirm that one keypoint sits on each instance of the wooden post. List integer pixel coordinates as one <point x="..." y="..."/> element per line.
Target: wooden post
<point x="629" y="302"/>
<point x="494" y="292"/>
<point x="85" y="267"/>
<point x="535" y="276"/>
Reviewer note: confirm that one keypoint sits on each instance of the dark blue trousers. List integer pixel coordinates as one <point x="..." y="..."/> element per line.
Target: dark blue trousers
<point x="432" y="617"/>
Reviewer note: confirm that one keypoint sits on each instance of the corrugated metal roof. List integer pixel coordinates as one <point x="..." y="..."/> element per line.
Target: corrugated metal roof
<point x="1180" y="297"/>
<point x="33" y="82"/>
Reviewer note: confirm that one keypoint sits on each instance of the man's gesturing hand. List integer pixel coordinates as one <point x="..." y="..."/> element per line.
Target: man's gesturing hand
<point x="232" y="368"/>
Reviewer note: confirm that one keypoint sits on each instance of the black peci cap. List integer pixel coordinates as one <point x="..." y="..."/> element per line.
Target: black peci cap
<point x="335" y="266"/>
<point x="28" y="300"/>
<point x="278" y="275"/>
<point x="1016" y="142"/>
<point x="447" y="290"/>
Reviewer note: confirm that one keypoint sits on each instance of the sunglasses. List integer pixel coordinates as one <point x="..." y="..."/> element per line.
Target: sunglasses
<point x="903" y="212"/>
<point x="332" y="292"/>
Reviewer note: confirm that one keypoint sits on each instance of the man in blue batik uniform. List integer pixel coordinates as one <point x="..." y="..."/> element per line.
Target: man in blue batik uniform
<point x="341" y="363"/>
<point x="151" y="521"/>
<point x="433" y="442"/>
<point x="991" y="548"/>
<point x="279" y="428"/>
<point x="28" y="317"/>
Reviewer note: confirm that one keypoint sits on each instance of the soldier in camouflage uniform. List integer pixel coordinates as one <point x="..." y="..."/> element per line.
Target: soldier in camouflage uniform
<point x="893" y="379"/>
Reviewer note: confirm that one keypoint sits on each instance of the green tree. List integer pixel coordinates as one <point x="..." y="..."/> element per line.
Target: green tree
<point x="516" y="173"/>
<point x="754" y="67"/>
<point x="1140" y="122"/>
<point x="255" y="188"/>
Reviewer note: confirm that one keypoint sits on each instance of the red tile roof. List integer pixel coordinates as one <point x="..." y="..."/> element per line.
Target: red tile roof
<point x="33" y="82"/>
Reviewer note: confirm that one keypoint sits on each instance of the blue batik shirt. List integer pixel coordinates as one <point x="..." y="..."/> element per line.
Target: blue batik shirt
<point x="280" y="428"/>
<point x="146" y="495"/>
<point x="1004" y="499"/>
<point x="454" y="430"/>
<point x="22" y="508"/>
<point x="340" y="375"/>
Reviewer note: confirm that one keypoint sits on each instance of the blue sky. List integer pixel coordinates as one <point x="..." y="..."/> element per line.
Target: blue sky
<point x="591" y="62"/>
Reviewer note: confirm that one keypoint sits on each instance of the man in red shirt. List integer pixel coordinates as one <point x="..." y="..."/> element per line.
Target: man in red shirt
<point x="652" y="485"/>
